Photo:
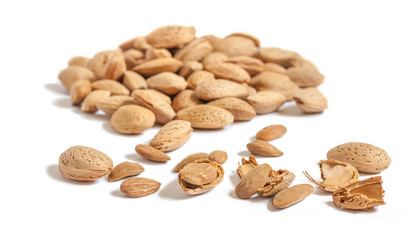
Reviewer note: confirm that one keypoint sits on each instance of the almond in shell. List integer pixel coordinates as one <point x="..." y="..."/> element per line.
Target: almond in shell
<point x="184" y="99"/>
<point x="159" y="65"/>
<point x="310" y="100"/>
<point x="170" y="36"/>
<point x="206" y="116"/>
<point x="90" y="102"/>
<point x="132" y="119"/>
<point x="276" y="82"/>
<point x="305" y="77"/>
<point x="133" y="81"/>
<point x="211" y="90"/>
<point x="236" y="46"/>
<point x="72" y="74"/>
<point x="228" y="71"/>
<point x="79" y="90"/>
<point x="110" y="104"/>
<point x="198" y="77"/>
<point x="158" y="105"/>
<point x="172" y="135"/>
<point x="168" y="83"/>
<point x="114" y="87"/>
<point x="266" y="101"/>
<point x="240" y="109"/>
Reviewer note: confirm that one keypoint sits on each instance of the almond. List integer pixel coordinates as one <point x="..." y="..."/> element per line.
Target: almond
<point x="236" y="46"/>
<point x="132" y="119"/>
<point x="255" y="40"/>
<point x="266" y="101"/>
<point x="139" y="187"/>
<point x="305" y="77"/>
<point x="206" y="116"/>
<point x="151" y="153"/>
<point x="277" y="55"/>
<point x="133" y="57"/>
<point x="90" y="102"/>
<point x="115" y="67"/>
<point x="110" y="104"/>
<point x="276" y="82"/>
<point x="198" y="77"/>
<point x="168" y="83"/>
<point x="218" y="156"/>
<point x="194" y="51"/>
<point x="249" y="64"/>
<point x="190" y="158"/>
<point x="190" y="67"/>
<point x="184" y="99"/>
<point x="214" y="58"/>
<point x="125" y="169"/>
<point x="271" y="132"/>
<point x="365" y="157"/>
<point x="129" y="44"/>
<point x="154" y="53"/>
<point x="263" y="148"/>
<point x="228" y="71"/>
<point x="170" y="36"/>
<point x="292" y="195"/>
<point x="240" y="109"/>
<point x="172" y="135"/>
<point x="79" y="90"/>
<point x="141" y="44"/>
<point x="211" y="90"/>
<point x="72" y="74"/>
<point x="158" y="65"/>
<point x="114" y="87"/>
<point x="98" y="63"/>
<point x="252" y="181"/>
<point x="273" y="67"/>
<point x="78" y="61"/>
<point x="133" y="81"/>
<point x="310" y="100"/>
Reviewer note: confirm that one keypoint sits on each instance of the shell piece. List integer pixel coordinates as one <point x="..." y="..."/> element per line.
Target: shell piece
<point x="246" y="166"/>
<point x="190" y="158"/>
<point x="252" y="181"/>
<point x="278" y="180"/>
<point x="125" y="169"/>
<point x="292" y="195"/>
<point x="310" y="100"/>
<point x="206" y="116"/>
<point x="200" y="176"/>
<point x="363" y="194"/>
<point x="172" y="135"/>
<point x="365" y="157"/>
<point x="335" y="175"/>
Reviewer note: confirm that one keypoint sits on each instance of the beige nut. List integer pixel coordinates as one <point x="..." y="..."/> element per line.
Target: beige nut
<point x="132" y="119"/>
<point x="172" y="135"/>
<point x="206" y="116"/>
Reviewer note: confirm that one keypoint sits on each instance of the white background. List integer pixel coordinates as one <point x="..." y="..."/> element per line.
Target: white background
<point x="362" y="47"/>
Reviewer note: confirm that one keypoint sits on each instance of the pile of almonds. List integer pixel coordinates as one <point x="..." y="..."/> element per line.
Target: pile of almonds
<point x="209" y="81"/>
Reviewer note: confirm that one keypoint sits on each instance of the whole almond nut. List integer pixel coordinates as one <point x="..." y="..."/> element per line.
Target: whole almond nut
<point x="277" y="55"/>
<point x="212" y="39"/>
<point x="228" y="71"/>
<point x="123" y="170"/>
<point x="303" y="63"/>
<point x="84" y="163"/>
<point x="206" y="116"/>
<point x="139" y="187"/>
<point x="90" y="102"/>
<point x="159" y="106"/>
<point x="141" y="44"/>
<point x="114" y="87"/>
<point x="110" y="104"/>
<point x="184" y="99"/>
<point x="158" y="65"/>
<point x="190" y="158"/>
<point x="214" y="58"/>
<point x="310" y="100"/>
<point x="305" y="77"/>
<point x="365" y="157"/>
<point x="133" y="57"/>
<point x="98" y="63"/>
<point x="115" y="67"/>
<point x="211" y="90"/>
<point x="154" y="53"/>
<point x="194" y="51"/>
<point x="271" y="132"/>
<point x="198" y="77"/>
<point x="168" y="83"/>
<point x="266" y="101"/>
<point x="160" y="95"/>
<point x="172" y="135"/>
<point x="252" y="181"/>
<point x="251" y="65"/>
<point x="190" y="67"/>
<point x="129" y="44"/>
<point x="78" y="61"/>
<point x="240" y="109"/>
<point x="276" y="82"/>
<point x="79" y="90"/>
<point x="236" y="46"/>
<point x="263" y="148"/>
<point x="72" y="74"/>
<point x="132" y="119"/>
<point x="273" y="67"/>
<point x="218" y="156"/>
<point x="255" y="40"/>
<point x="133" y="81"/>
<point x="359" y="195"/>
<point x="170" y="36"/>
<point x="200" y="176"/>
<point x="151" y="153"/>
<point x="292" y="195"/>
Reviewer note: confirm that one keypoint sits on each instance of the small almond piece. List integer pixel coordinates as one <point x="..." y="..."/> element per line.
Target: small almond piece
<point x="218" y="156"/>
<point x="172" y="135"/>
<point x="151" y="153"/>
<point x="190" y="158"/>
<point x="79" y="90"/>
<point x="271" y="132"/>
<point x="263" y="148"/>
<point x="292" y="195"/>
<point x="123" y="170"/>
<point x="139" y="187"/>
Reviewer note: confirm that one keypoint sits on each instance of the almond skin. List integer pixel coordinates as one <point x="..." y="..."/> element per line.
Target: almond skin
<point x="206" y="116"/>
<point x="139" y="187"/>
<point x="271" y="132"/>
<point x="151" y="153"/>
<point x="263" y="148"/>
<point x="125" y="169"/>
<point x="132" y="119"/>
<point x="170" y="36"/>
<point x="172" y="135"/>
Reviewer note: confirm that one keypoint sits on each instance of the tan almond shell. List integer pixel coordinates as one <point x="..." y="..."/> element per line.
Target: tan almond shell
<point x="139" y="187"/>
<point x="240" y="109"/>
<point x="79" y="61"/>
<point x="255" y="179"/>
<point x="154" y="53"/>
<point x="214" y="58"/>
<point x="198" y="77"/>
<point x="194" y="51"/>
<point x="195" y="189"/>
<point x="133" y="57"/>
<point x="262" y="148"/>
<point x="271" y="132"/>
<point x="266" y="101"/>
<point x="79" y="90"/>
<point x="133" y="81"/>
<point x="184" y="99"/>
<point x="129" y="44"/>
<point x="305" y="77"/>
<point x="132" y="119"/>
<point x="166" y="82"/>
<point x="249" y="36"/>
<point x="151" y="153"/>
<point x="99" y="61"/>
<point x="301" y="62"/>
<point x="292" y="195"/>
<point x="159" y="106"/>
<point x="72" y="74"/>
<point x="310" y="100"/>
<point x="276" y="82"/>
<point x="158" y="65"/>
<point x="251" y="65"/>
<point x="115" y="67"/>
<point x="170" y="36"/>
<point x="190" y="67"/>
<point x="172" y="135"/>
<point x="360" y="195"/>
<point x="279" y="180"/>
<point x="365" y="157"/>
<point x="220" y="88"/>
<point x="141" y="44"/>
<point x="125" y="169"/>
<point x="228" y="71"/>
<point x="110" y="104"/>
<point x="206" y="116"/>
<point x="246" y="166"/>
<point x="84" y="163"/>
<point x="274" y="67"/>
<point x="277" y="55"/>
<point x="236" y="46"/>
<point x="114" y="87"/>
<point x="90" y="102"/>
<point x="190" y="158"/>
